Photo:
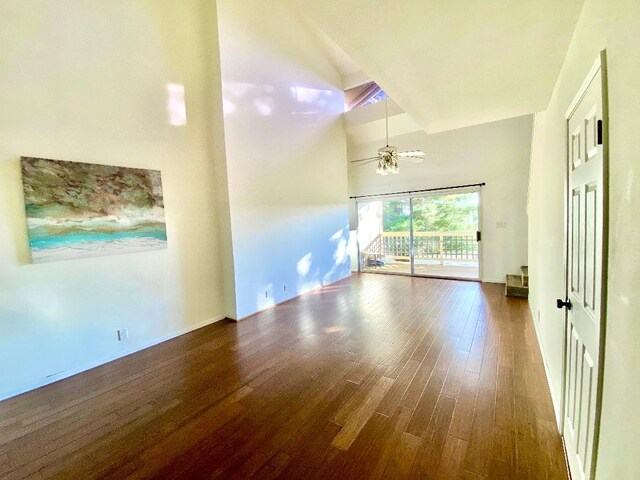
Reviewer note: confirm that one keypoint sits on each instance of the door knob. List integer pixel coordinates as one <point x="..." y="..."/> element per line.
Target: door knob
<point x="563" y="304"/>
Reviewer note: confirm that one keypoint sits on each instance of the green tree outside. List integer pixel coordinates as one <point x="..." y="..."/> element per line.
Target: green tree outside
<point x="446" y="213"/>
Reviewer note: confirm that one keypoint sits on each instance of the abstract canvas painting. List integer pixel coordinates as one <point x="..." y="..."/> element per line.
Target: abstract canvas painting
<point x="77" y="210"/>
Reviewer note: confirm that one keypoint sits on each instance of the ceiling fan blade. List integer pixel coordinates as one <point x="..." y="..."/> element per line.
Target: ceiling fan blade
<point x="411" y="153"/>
<point x="413" y="159"/>
<point x="371" y="160"/>
<point x="365" y="159"/>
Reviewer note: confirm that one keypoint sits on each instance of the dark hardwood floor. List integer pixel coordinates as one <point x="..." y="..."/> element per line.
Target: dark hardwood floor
<point x="375" y="377"/>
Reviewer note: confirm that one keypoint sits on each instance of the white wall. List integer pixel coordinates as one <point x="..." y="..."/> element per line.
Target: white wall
<point x="496" y="153"/>
<point x="86" y="81"/>
<point x="286" y="154"/>
<point x="614" y="26"/>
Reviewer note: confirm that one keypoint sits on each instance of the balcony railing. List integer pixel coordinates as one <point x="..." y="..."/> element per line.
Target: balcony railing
<point x="438" y="246"/>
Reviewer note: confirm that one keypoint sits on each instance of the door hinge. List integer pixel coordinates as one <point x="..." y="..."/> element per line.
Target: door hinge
<point x="599" y="126"/>
<point x="478" y="236"/>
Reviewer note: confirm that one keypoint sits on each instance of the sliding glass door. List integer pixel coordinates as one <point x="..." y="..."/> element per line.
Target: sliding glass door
<point x="384" y="236"/>
<point x="428" y="235"/>
<point x="445" y="235"/>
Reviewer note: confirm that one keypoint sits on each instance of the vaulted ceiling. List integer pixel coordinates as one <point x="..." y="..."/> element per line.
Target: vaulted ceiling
<point x="454" y="63"/>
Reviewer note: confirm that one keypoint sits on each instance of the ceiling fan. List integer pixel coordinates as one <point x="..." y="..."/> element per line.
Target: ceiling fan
<point x="388" y="156"/>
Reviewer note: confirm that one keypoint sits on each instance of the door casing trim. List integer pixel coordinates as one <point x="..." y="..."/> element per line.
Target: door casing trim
<point x="599" y="67"/>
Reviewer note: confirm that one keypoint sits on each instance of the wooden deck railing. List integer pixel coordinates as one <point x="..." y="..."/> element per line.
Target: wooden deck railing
<point x="439" y="246"/>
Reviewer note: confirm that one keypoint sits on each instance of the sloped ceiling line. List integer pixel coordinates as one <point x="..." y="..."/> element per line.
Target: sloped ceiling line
<point x="453" y="64"/>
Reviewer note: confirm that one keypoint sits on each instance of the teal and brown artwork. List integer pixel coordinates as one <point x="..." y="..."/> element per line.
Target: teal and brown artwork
<point x="77" y="210"/>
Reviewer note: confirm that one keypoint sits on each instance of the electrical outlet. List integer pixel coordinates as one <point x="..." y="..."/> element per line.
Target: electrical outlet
<point x="266" y="294"/>
<point x="122" y="334"/>
<point x="284" y="287"/>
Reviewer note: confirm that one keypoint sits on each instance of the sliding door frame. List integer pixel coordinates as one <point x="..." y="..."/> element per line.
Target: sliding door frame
<point x="411" y="196"/>
<point x="411" y="247"/>
<point x="382" y="198"/>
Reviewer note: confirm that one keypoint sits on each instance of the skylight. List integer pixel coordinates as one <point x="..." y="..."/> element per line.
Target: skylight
<point x="362" y="95"/>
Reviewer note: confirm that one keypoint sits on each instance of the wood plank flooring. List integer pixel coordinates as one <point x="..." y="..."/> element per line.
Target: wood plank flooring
<point x="375" y="377"/>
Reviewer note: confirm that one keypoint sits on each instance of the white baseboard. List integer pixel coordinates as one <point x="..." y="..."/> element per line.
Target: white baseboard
<point x="554" y="400"/>
<point x="74" y="371"/>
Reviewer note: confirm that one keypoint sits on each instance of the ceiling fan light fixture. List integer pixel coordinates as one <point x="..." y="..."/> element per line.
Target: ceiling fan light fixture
<point x="388" y="155"/>
<point x="387" y="161"/>
<point x="389" y="149"/>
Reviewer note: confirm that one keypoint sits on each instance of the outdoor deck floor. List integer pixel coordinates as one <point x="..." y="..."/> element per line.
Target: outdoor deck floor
<point x="451" y="270"/>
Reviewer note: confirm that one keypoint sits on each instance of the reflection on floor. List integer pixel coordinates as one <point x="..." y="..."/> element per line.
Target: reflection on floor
<point x="449" y="269"/>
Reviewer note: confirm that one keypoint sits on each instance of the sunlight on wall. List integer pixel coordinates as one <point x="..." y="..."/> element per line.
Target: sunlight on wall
<point x="264" y="106"/>
<point x="342" y="260"/>
<point x="259" y="98"/>
<point x="310" y="95"/>
<point x="303" y="268"/>
<point x="341" y="254"/>
<point x="262" y="98"/>
<point x="176" y="105"/>
<point x="307" y="98"/>
<point x="304" y="265"/>
<point x="228" y="107"/>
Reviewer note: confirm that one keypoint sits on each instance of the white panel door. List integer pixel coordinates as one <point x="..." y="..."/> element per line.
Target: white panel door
<point x="584" y="275"/>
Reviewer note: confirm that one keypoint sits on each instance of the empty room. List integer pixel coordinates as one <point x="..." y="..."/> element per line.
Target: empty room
<point x="319" y="239"/>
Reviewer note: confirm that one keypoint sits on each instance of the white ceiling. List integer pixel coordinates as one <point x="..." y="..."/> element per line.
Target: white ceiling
<point x="340" y="60"/>
<point x="367" y="124"/>
<point x="452" y="63"/>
